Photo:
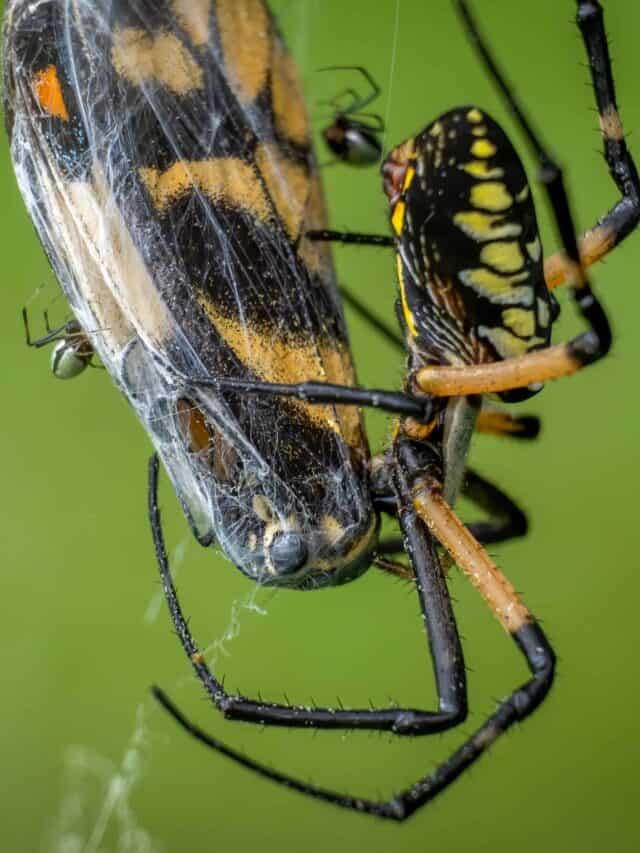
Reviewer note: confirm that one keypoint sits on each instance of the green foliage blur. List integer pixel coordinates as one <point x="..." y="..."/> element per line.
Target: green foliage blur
<point x="89" y="762"/>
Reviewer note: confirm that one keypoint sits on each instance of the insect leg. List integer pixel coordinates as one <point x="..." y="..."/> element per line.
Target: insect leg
<point x="447" y="655"/>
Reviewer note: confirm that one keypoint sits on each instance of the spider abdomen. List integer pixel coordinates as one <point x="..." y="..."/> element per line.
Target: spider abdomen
<point x="469" y="253"/>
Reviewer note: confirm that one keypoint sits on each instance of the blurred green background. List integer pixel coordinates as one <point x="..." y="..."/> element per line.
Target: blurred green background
<point x="89" y="763"/>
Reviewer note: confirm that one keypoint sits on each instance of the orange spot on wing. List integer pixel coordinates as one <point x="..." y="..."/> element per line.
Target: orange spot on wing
<point x="48" y="92"/>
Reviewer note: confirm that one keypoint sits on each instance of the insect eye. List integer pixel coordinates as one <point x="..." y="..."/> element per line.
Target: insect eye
<point x="288" y="552"/>
<point x="67" y="360"/>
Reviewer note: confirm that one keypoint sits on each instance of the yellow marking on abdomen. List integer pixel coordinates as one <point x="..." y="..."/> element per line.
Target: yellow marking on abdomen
<point x="48" y="92"/>
<point x="523" y="194"/>
<point x="480" y="130"/>
<point x="519" y="320"/>
<point x="504" y="257"/>
<point x="483" y="148"/>
<point x="245" y="40"/>
<point x="139" y="57"/>
<point x="534" y="249"/>
<point x="474" y="115"/>
<point x="481" y="169"/>
<point x="544" y="314"/>
<point x="500" y="289"/>
<point x="397" y="217"/>
<point x="482" y="226"/>
<point x="409" y="175"/>
<point x="506" y="344"/>
<point x="406" y="311"/>
<point x="491" y="195"/>
<point x="226" y="180"/>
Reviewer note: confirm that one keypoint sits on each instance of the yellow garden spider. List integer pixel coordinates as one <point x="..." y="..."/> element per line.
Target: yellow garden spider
<point x="476" y="310"/>
<point x="175" y="197"/>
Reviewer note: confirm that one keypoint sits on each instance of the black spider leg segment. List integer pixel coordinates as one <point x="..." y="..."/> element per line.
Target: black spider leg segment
<point x="51" y="336"/>
<point x="358" y="103"/>
<point x="433" y="594"/>
<point x="448" y="667"/>
<point x="551" y="362"/>
<point x="528" y="427"/>
<point x="374" y="122"/>
<point x="392" y="545"/>
<point x="353" y="238"/>
<point x="393" y="337"/>
<point x="494" y="421"/>
<point x="506" y="519"/>
<point x="623" y="217"/>
<point x="443" y="641"/>
<point x="326" y="392"/>
<point x="596" y="342"/>
<point x="621" y="220"/>
<point x="506" y="605"/>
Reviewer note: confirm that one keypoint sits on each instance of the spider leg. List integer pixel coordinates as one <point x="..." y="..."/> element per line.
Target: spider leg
<point x="620" y="221"/>
<point x="51" y="336"/>
<point x="491" y="420"/>
<point x="356" y="238"/>
<point x="390" y="545"/>
<point x="326" y="392"/>
<point x="553" y="362"/>
<point x="393" y="567"/>
<point x="507" y="520"/>
<point x="494" y="421"/>
<point x="550" y="363"/>
<point x="358" y="103"/>
<point x="334" y="102"/>
<point x="443" y="641"/>
<point x="612" y="228"/>
<point x="372" y="121"/>
<point x="623" y="217"/>
<point x="503" y="600"/>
